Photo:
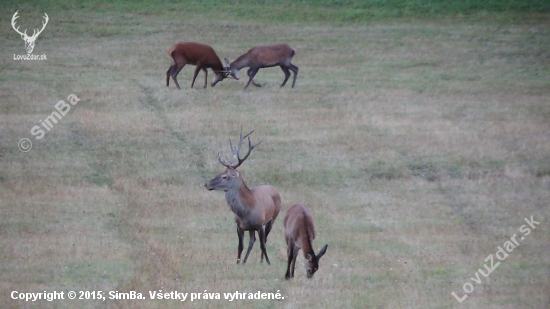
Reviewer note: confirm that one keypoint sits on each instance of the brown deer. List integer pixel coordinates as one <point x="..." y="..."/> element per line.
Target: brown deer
<point x="299" y="234"/>
<point x="264" y="57"/>
<point x="203" y="56"/>
<point x="256" y="209"/>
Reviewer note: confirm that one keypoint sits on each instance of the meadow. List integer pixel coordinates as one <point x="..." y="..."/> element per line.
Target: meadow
<point x="418" y="134"/>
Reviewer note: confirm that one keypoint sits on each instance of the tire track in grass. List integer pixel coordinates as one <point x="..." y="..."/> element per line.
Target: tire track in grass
<point x="148" y="101"/>
<point x="157" y="262"/>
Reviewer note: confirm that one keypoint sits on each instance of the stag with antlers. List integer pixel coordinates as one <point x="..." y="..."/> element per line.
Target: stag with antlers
<point x="255" y="209"/>
<point x="29" y="40"/>
<point x="264" y="57"/>
<point x="203" y="56"/>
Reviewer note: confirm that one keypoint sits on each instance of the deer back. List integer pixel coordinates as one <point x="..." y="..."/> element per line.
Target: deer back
<point x="196" y="54"/>
<point x="264" y="56"/>
<point x="299" y="227"/>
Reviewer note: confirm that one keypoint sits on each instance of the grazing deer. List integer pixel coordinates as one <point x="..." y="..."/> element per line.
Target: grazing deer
<point x="203" y="56"/>
<point x="29" y="40"/>
<point x="299" y="234"/>
<point x="256" y="209"/>
<point x="264" y="57"/>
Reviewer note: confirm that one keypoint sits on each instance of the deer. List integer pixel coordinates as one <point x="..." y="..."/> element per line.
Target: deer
<point x="29" y="40"/>
<point x="255" y="209"/>
<point x="203" y="56"/>
<point x="299" y="234"/>
<point x="264" y="57"/>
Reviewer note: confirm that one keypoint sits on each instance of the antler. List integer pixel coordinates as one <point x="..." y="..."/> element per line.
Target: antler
<point x="17" y="29"/>
<point x="43" y="26"/>
<point x="235" y="150"/>
<point x="227" y="71"/>
<point x="34" y="34"/>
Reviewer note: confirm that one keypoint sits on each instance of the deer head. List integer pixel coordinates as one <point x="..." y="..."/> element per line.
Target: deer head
<point x="233" y="72"/>
<point x="218" y="76"/>
<point x="221" y="75"/>
<point x="29" y="40"/>
<point x="230" y="179"/>
<point x="312" y="261"/>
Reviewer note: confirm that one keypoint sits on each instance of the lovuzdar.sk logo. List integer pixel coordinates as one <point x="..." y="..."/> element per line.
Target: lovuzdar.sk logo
<point x="29" y="40"/>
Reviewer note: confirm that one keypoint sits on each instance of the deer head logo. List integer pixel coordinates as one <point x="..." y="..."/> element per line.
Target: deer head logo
<point x="29" y="40"/>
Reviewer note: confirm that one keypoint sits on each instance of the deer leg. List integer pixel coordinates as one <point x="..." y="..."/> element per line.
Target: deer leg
<point x="268" y="227"/>
<point x="197" y="70"/>
<point x="175" y="71"/>
<point x="262" y="255"/>
<point x="262" y="244"/>
<point x="253" y="82"/>
<point x="251" y="74"/>
<point x="295" y="70"/>
<point x="295" y="254"/>
<point x="252" y="234"/>
<point x="290" y="256"/>
<point x="240" y="233"/>
<point x="205" y="77"/>
<point x="169" y="73"/>
<point x="287" y="75"/>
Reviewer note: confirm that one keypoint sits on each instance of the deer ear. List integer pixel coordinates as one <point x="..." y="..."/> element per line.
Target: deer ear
<point x="309" y="257"/>
<point x="226" y="62"/>
<point x="322" y="252"/>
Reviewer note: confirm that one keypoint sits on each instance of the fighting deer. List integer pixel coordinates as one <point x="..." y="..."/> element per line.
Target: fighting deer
<point x="264" y="57"/>
<point x="203" y="56"/>
<point x="299" y="234"/>
<point x="29" y="40"/>
<point x="256" y="209"/>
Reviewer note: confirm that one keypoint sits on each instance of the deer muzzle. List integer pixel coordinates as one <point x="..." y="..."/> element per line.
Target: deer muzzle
<point x="208" y="186"/>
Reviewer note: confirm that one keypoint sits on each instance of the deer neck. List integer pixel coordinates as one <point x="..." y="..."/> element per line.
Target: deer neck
<point x="239" y="199"/>
<point x="240" y="63"/>
<point x="306" y="241"/>
<point x="307" y="247"/>
<point x="217" y="66"/>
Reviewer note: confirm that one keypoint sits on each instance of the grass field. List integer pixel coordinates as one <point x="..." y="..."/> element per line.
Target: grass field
<point x="418" y="134"/>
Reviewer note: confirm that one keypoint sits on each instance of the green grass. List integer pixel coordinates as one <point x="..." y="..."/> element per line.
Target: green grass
<point x="417" y="133"/>
<point x="323" y="11"/>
